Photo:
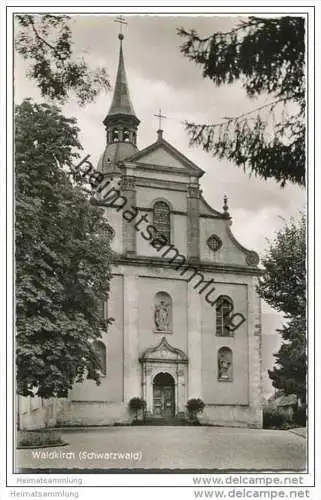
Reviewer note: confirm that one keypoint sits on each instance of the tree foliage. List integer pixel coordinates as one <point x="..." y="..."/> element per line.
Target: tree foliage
<point x="283" y="286"/>
<point x="194" y="407"/>
<point x="267" y="56"/>
<point x="62" y="257"/>
<point x="46" y="42"/>
<point x="136" y="404"/>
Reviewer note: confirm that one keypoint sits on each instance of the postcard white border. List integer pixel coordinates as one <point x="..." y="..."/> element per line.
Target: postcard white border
<point x="153" y="480"/>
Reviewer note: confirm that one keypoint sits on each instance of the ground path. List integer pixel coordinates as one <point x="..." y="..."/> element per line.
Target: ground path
<point x="171" y="448"/>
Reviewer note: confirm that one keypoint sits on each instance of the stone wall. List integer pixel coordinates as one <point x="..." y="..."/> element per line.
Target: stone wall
<point x="36" y="413"/>
<point x="93" y="413"/>
<point x="232" y="416"/>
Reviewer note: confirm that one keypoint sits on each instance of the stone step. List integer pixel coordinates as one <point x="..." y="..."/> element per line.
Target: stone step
<point x="165" y="421"/>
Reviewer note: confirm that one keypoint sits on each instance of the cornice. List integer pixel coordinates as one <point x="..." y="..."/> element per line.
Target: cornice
<point x="162" y="168"/>
<point x="137" y="260"/>
<point x="165" y="361"/>
<point x="209" y="216"/>
<point x="161" y="183"/>
<point x="150" y="209"/>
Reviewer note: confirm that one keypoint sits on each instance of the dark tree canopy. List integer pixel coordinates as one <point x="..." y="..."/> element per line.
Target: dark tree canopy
<point x="283" y="286"/>
<point x="45" y="41"/>
<point x="290" y="372"/>
<point x="267" y="56"/>
<point x="62" y="257"/>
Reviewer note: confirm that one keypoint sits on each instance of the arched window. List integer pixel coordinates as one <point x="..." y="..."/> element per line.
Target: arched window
<point x="163" y="312"/>
<point x="224" y="307"/>
<point x="134" y="138"/>
<point x="115" y="135"/>
<point x="225" y="364"/>
<point x="126" y="135"/>
<point x="102" y="356"/>
<point x="162" y="219"/>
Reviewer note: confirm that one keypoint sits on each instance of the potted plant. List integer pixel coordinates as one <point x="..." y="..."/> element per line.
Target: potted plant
<point x="194" y="407"/>
<point x="135" y="405"/>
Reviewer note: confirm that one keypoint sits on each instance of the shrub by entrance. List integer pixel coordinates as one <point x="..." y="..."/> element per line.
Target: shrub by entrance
<point x="136" y="405"/>
<point x="194" y="407"/>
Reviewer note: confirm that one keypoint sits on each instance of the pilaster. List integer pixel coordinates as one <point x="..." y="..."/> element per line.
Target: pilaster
<point x="132" y="386"/>
<point x="194" y="343"/>
<point x="128" y="191"/>
<point x="193" y="222"/>
<point x="254" y="347"/>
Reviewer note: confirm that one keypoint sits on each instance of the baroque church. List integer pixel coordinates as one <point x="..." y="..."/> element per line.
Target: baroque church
<point x="186" y="315"/>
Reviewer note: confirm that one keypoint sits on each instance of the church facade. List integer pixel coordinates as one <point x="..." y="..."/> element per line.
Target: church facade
<point x="186" y="316"/>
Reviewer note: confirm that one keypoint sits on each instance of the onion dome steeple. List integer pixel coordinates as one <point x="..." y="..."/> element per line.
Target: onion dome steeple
<point x="121" y="121"/>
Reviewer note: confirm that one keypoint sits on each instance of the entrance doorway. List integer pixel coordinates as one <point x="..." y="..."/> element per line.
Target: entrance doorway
<point x="164" y="395"/>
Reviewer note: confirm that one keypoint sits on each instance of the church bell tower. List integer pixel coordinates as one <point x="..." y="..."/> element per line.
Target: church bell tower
<point x="121" y="122"/>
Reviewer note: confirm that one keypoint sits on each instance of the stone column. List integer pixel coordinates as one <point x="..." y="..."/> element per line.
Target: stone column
<point x="193" y="224"/>
<point x="128" y="190"/>
<point x="132" y="369"/>
<point x="194" y="343"/>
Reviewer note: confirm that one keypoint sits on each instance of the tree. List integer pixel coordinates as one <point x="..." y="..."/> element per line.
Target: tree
<point x="46" y="42"/>
<point x="267" y="57"/>
<point x="283" y="286"/>
<point x="62" y="257"/>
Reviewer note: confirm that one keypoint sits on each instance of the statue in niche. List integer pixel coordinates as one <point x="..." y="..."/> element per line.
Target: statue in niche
<point x="224" y="366"/>
<point x="161" y="316"/>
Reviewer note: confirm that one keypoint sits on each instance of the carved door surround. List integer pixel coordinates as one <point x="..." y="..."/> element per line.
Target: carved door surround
<point x="164" y="359"/>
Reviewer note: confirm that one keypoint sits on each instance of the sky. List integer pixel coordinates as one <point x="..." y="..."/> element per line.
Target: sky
<point x="161" y="77"/>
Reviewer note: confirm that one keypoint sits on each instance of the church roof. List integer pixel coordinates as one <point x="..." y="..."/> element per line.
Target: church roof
<point x="114" y="153"/>
<point x="145" y="156"/>
<point x="121" y="103"/>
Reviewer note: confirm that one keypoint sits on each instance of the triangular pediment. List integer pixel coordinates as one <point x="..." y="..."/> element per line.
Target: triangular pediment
<point x="163" y="155"/>
<point x="163" y="351"/>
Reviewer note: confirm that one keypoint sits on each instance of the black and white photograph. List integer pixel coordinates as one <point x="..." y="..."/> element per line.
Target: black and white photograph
<point x="163" y="252"/>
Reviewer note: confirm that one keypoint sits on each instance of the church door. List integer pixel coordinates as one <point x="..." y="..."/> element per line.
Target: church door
<point x="164" y="395"/>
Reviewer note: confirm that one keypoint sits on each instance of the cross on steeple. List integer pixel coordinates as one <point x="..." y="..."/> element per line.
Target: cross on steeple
<point x="160" y="116"/>
<point x="120" y="20"/>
